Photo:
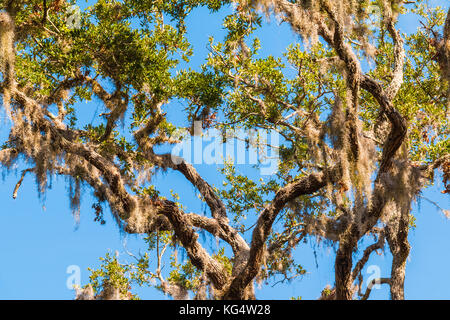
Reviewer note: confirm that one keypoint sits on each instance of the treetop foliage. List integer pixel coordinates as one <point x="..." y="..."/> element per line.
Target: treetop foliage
<point x="362" y="111"/>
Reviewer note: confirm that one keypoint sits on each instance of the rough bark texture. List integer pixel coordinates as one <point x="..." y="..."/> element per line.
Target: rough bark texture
<point x="143" y="214"/>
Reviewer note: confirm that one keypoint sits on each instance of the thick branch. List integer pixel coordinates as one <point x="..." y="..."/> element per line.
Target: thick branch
<point x="397" y="238"/>
<point x="306" y="185"/>
<point x="399" y="58"/>
<point x="215" y="204"/>
<point x="367" y="252"/>
<point x="198" y="256"/>
<point x="399" y="124"/>
<point x="372" y="283"/>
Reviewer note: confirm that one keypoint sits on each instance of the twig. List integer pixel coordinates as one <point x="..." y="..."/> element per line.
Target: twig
<point x="19" y="183"/>
<point x="374" y="282"/>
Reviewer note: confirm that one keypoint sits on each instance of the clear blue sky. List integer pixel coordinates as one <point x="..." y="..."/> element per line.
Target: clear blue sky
<point x="39" y="238"/>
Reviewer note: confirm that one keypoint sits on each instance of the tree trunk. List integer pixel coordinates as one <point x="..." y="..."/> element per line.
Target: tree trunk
<point x="399" y="246"/>
<point x="343" y="272"/>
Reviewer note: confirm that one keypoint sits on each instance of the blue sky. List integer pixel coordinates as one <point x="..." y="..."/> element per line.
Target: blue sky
<point x="39" y="238"/>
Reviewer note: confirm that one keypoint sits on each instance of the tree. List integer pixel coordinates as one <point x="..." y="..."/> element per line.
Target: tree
<point x="363" y="122"/>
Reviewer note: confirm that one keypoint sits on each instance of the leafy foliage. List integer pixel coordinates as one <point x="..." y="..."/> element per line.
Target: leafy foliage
<point x="362" y="111"/>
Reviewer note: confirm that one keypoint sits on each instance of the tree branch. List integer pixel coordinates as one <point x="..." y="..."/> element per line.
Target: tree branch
<point x="305" y="185"/>
<point x="372" y="283"/>
<point x="367" y="252"/>
<point x="19" y="183"/>
<point x="198" y="256"/>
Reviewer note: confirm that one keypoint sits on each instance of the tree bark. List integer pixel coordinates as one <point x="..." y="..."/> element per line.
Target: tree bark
<point x="343" y="271"/>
